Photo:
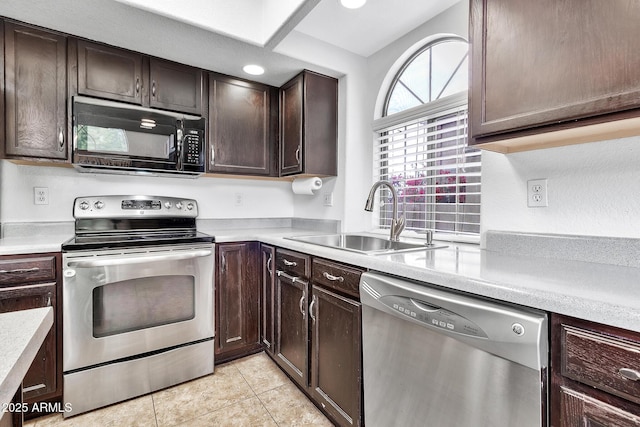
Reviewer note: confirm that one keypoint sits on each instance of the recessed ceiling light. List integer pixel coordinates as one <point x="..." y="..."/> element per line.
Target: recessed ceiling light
<point x="352" y="4"/>
<point x="254" y="70"/>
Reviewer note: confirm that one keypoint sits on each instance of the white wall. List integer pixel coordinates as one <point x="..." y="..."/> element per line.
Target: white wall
<point x="354" y="137"/>
<point x="216" y="196"/>
<point x="593" y="189"/>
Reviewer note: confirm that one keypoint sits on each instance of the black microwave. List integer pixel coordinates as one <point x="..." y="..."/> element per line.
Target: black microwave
<point x="121" y="138"/>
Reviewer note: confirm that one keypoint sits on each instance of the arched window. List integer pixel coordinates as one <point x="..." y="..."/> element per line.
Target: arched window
<point x="436" y="71"/>
<point x="422" y="143"/>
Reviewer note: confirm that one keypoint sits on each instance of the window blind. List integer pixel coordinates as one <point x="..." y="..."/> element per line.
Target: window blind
<point x="435" y="174"/>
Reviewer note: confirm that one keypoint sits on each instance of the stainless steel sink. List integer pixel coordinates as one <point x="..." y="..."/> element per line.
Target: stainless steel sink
<point x="365" y="244"/>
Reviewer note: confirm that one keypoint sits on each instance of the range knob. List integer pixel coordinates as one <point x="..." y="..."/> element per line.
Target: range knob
<point x="179" y="205"/>
<point x="190" y="206"/>
<point x="84" y="205"/>
<point x="99" y="204"/>
<point x="167" y="205"/>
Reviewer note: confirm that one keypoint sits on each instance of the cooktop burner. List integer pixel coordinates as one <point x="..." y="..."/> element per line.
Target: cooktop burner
<point x="104" y="222"/>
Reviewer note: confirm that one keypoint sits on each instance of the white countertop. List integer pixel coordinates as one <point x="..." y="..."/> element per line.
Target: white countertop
<point x="21" y="336"/>
<point x="32" y="244"/>
<point x="601" y="293"/>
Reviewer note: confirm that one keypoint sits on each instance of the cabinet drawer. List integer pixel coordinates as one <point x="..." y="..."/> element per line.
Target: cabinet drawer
<point x="336" y="276"/>
<point x="293" y="263"/>
<point x="601" y="361"/>
<point x="25" y="270"/>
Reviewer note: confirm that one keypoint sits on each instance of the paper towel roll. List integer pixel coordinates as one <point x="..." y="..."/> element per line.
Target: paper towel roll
<point x="306" y="185"/>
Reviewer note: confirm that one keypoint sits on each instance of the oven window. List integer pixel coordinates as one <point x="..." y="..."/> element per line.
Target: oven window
<point x="142" y="303"/>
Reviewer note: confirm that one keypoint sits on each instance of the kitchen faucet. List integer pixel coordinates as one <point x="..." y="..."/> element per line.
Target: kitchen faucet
<point x="397" y="223"/>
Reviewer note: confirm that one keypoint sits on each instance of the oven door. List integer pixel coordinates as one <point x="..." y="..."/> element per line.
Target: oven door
<point x="125" y="303"/>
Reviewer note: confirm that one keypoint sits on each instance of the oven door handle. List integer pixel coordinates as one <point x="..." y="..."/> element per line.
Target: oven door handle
<point x="89" y="263"/>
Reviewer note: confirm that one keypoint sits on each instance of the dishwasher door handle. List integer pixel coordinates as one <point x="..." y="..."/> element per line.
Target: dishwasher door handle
<point x="429" y="308"/>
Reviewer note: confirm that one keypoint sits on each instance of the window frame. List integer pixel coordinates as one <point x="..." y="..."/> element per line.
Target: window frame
<point x="428" y="109"/>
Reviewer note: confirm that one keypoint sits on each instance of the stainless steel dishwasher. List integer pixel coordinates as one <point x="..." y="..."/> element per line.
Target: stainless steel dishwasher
<point x="438" y="358"/>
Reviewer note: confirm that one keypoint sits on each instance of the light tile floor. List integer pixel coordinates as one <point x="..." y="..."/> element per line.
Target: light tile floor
<point x="247" y="392"/>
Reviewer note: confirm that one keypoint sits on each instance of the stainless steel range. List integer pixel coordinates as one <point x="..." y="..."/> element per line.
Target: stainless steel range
<point x="137" y="299"/>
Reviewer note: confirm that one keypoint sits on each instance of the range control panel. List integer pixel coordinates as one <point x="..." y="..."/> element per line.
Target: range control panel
<point x="127" y="206"/>
<point x="433" y="316"/>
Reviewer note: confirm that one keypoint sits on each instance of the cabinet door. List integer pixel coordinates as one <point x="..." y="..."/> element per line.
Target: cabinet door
<point x="579" y="410"/>
<point x="35" y="92"/>
<point x="175" y="87"/>
<point x="336" y="355"/>
<point x="292" y="333"/>
<point x="41" y="376"/>
<point x="2" y="84"/>
<point x="538" y="63"/>
<point x="320" y="149"/>
<point x="237" y="300"/>
<point x="241" y="132"/>
<point x="109" y="72"/>
<point x="268" y="291"/>
<point x="291" y="136"/>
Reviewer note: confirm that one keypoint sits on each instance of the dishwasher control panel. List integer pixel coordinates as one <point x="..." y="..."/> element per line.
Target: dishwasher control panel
<point x="432" y="316"/>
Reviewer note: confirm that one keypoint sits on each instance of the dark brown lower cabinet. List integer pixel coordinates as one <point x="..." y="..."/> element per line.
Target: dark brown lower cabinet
<point x="336" y="355"/>
<point x="594" y="374"/>
<point x="268" y="256"/>
<point x="292" y="333"/>
<point x="237" y="301"/>
<point x="28" y="282"/>
<point x="318" y="339"/>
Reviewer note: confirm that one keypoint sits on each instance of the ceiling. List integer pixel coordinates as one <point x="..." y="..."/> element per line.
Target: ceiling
<point x="224" y="35"/>
<point x="361" y="31"/>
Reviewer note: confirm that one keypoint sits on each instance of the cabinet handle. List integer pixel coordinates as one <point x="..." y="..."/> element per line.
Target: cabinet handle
<point x="60" y="139"/>
<point x="302" y="298"/>
<point x="153" y="88"/>
<point x="313" y="301"/>
<point x="137" y="85"/>
<point x="332" y="277"/>
<point x="292" y="279"/>
<point x="20" y="270"/>
<point x="629" y="374"/>
<point x="298" y="155"/>
<point x="213" y="155"/>
<point x="269" y="265"/>
<point x="33" y="388"/>
<point x="49" y="299"/>
<point x="224" y="263"/>
<point x="289" y="263"/>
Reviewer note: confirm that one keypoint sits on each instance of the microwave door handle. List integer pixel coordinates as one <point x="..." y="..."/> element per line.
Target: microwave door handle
<point x="179" y="137"/>
<point x="139" y="259"/>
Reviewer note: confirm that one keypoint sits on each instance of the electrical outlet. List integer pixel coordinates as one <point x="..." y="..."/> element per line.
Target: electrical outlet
<point x="328" y="199"/>
<point x="238" y="198"/>
<point x="40" y="196"/>
<point x="537" y="193"/>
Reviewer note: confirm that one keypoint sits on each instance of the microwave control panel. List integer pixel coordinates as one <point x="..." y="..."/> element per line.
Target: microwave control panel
<point x="192" y="144"/>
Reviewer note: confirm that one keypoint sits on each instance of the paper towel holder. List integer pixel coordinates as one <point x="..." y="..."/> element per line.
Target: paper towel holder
<point x="306" y="186"/>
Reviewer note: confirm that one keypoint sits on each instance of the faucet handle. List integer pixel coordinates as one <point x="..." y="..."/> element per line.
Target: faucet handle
<point x="396" y="228"/>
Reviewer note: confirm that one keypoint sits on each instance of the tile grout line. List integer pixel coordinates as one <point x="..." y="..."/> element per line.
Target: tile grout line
<point x="265" y="406"/>
<point x="258" y="397"/>
<point x="155" y="414"/>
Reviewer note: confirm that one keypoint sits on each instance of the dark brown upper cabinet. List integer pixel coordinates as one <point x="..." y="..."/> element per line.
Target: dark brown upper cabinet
<point x="122" y="75"/>
<point x="108" y="72"/>
<point x="35" y="92"/>
<point x="309" y="125"/>
<point x="548" y="65"/>
<point x="2" y="85"/>
<point x="243" y="120"/>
